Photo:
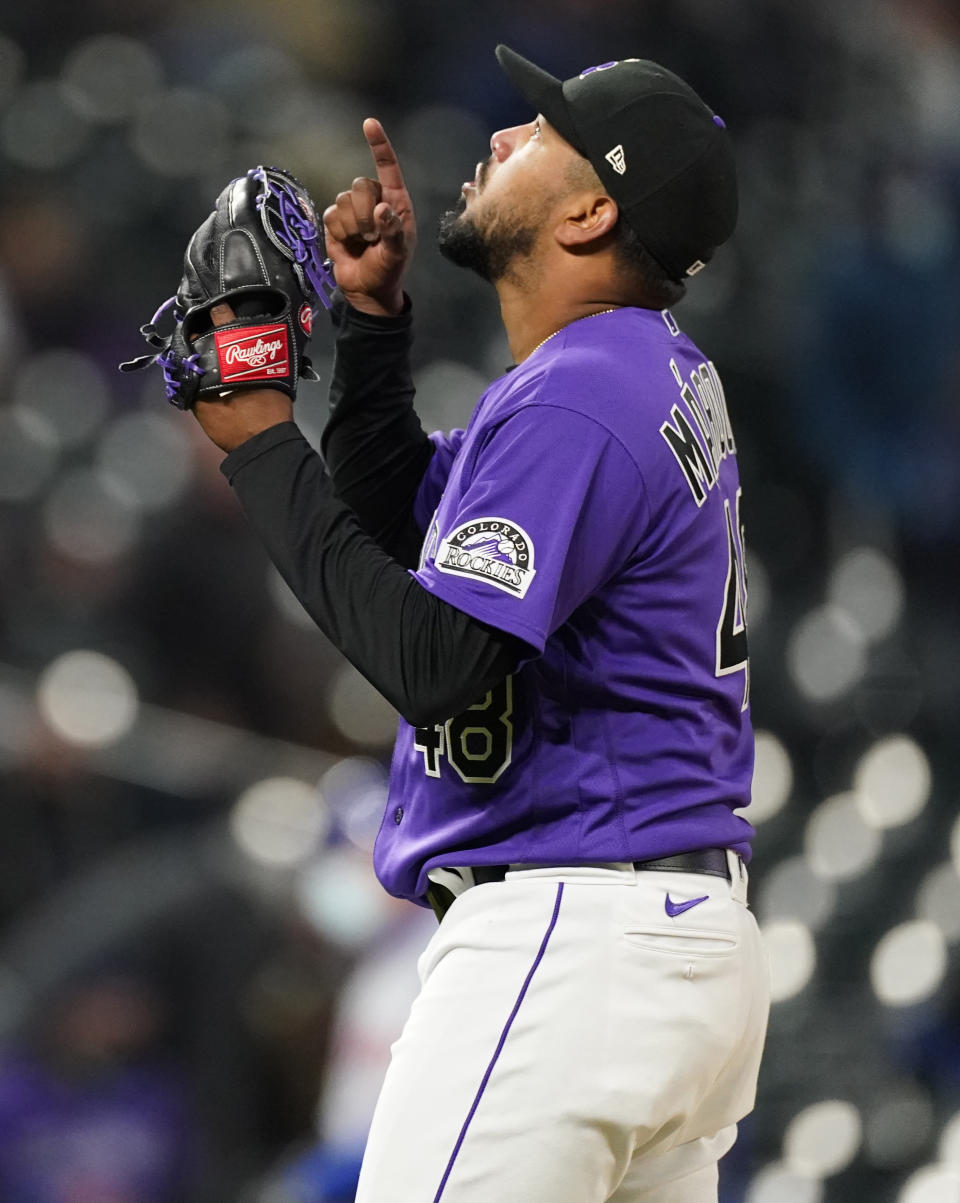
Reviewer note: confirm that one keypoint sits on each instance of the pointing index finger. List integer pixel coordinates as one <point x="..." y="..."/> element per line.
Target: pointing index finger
<point x="384" y="156"/>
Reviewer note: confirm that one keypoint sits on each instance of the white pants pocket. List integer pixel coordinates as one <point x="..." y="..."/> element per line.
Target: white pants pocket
<point x="687" y="942"/>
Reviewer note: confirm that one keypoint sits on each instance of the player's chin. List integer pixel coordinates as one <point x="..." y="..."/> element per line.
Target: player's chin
<point x="459" y="241"/>
<point x="446" y="227"/>
<point x="453" y="223"/>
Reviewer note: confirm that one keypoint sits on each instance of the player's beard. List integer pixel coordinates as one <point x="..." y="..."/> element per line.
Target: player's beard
<point x="493" y="250"/>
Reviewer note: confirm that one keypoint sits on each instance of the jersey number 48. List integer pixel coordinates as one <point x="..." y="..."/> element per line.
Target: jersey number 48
<point x="732" y="625"/>
<point x="478" y="743"/>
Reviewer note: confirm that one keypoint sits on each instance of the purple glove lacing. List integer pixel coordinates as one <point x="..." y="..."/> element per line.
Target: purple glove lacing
<point x="296" y="232"/>
<point x="169" y="362"/>
<point x="171" y="302"/>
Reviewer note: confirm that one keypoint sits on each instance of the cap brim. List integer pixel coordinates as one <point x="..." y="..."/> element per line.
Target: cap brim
<point x="543" y="90"/>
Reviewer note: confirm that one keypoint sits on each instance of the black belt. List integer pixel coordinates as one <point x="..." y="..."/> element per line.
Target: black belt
<point x="708" y="860"/>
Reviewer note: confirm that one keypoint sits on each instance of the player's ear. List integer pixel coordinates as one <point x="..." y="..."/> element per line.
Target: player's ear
<point x="588" y="216"/>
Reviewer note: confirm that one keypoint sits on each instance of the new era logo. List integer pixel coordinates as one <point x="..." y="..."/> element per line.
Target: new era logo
<point x="617" y="159"/>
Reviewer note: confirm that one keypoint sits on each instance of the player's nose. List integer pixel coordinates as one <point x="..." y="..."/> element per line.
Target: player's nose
<point x="503" y="142"/>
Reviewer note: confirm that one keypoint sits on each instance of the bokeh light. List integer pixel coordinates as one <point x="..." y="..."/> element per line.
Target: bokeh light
<point x="867" y="586"/>
<point x="181" y="131"/>
<point x="356" y="791"/>
<point x="777" y="1183"/>
<point x="258" y="83"/>
<point x="341" y="897"/>
<point x="106" y="76"/>
<point x="955" y="844"/>
<point x="892" y="782"/>
<point x="772" y="777"/>
<point x="838" y="844"/>
<point x="147" y="458"/>
<point x="29" y="453"/>
<point x="87" y="698"/>
<point x="826" y="654"/>
<point x="67" y="389"/>
<point x="88" y="522"/>
<point x="823" y="1139"/>
<point x="791" y="890"/>
<point x="932" y="1184"/>
<point x="792" y="955"/>
<point x="899" y="1125"/>
<point x="938" y="899"/>
<point x="279" y="822"/>
<point x="949" y="1147"/>
<point x="40" y="129"/>
<point x="908" y="963"/>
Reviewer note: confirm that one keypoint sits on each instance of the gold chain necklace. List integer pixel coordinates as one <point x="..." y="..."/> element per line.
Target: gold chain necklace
<point x="599" y="313"/>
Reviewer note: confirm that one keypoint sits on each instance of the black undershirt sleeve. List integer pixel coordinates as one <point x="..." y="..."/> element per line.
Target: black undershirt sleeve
<point x="374" y="447"/>
<point x="429" y="659"/>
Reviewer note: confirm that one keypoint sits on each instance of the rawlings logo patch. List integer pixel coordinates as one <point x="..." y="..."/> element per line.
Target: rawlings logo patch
<point x="492" y="550"/>
<point x="305" y="317"/>
<point x="254" y="353"/>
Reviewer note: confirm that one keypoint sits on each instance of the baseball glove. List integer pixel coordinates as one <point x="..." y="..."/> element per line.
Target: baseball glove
<point x="261" y="251"/>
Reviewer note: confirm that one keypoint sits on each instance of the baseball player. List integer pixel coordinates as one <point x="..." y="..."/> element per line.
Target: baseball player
<point x="555" y="601"/>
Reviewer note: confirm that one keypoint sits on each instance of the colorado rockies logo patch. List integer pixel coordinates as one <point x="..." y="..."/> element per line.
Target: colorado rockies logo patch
<point x="492" y="550"/>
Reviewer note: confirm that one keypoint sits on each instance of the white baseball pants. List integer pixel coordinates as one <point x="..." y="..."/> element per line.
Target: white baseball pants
<point x="575" y="1042"/>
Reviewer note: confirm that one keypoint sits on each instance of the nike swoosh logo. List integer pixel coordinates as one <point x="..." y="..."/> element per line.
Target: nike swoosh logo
<point x="677" y="908"/>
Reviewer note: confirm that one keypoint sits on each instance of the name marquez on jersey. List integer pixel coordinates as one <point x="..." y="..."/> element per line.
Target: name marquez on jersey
<point x="701" y="447"/>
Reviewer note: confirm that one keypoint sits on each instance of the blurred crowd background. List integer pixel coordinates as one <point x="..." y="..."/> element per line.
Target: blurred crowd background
<point x="199" y="975"/>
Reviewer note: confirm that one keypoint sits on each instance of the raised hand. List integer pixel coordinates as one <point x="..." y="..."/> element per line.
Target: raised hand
<point x="371" y="231"/>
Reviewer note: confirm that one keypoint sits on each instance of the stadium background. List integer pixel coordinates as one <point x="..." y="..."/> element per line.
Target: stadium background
<point x="199" y="976"/>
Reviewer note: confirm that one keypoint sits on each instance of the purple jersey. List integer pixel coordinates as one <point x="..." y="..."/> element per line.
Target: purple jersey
<point x="591" y="508"/>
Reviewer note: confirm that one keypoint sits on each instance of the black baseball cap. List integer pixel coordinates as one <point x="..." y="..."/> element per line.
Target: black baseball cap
<point x="661" y="153"/>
